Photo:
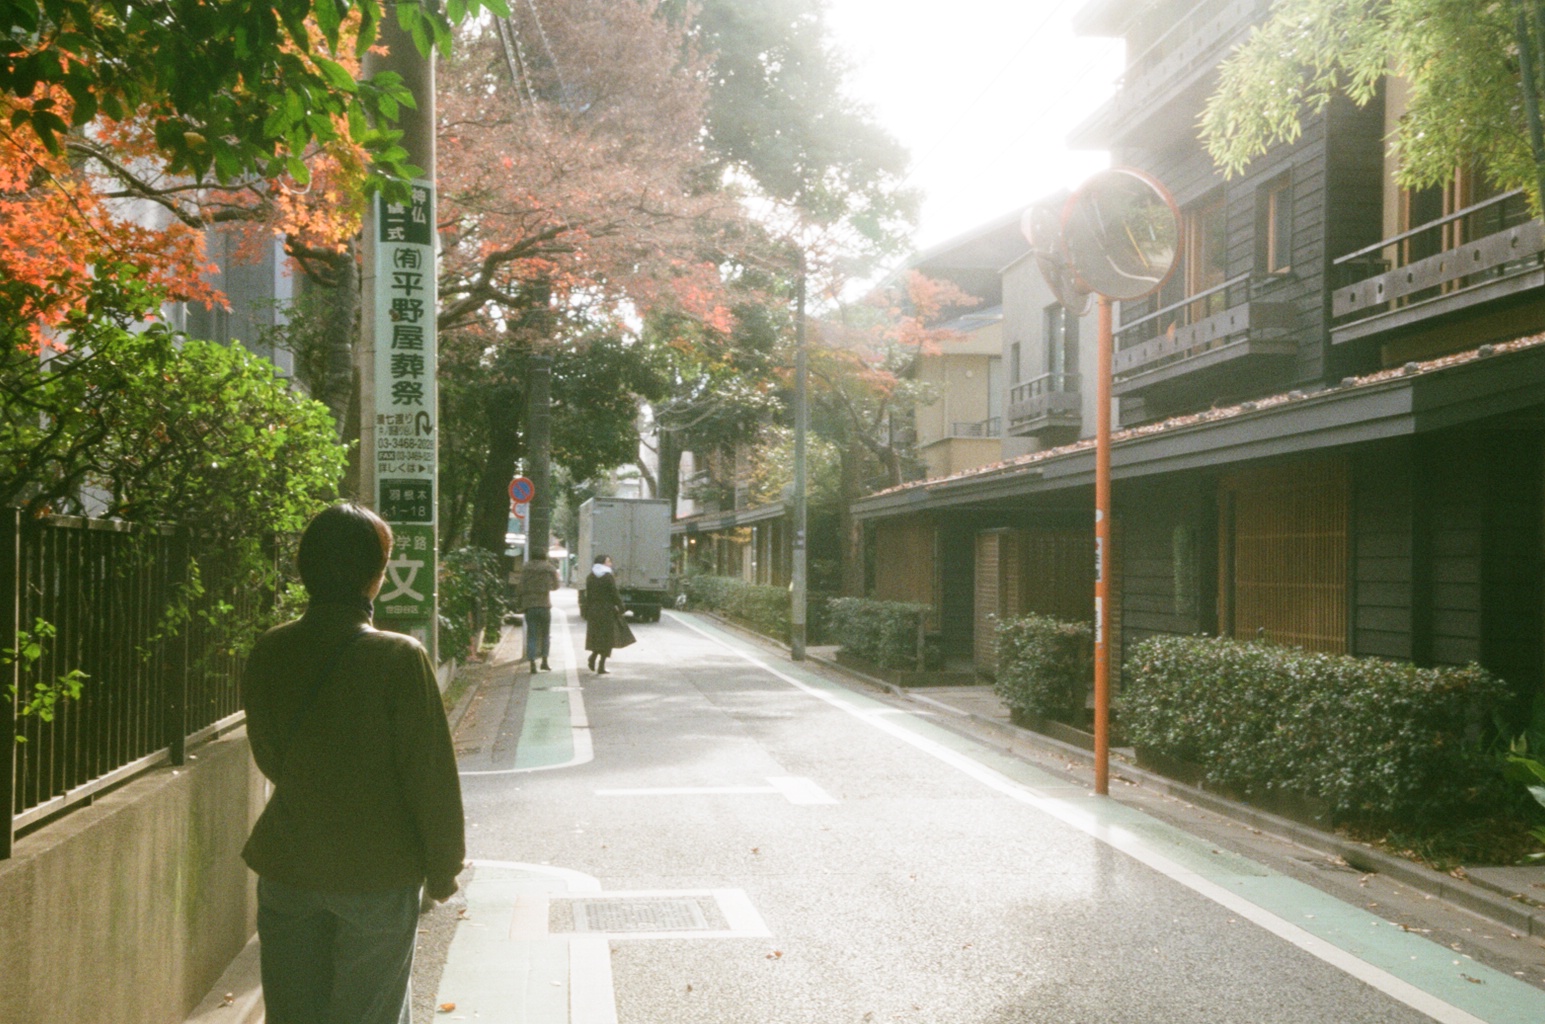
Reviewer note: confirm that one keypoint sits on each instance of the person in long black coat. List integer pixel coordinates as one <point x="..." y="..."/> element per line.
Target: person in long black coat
<point x="603" y="608"/>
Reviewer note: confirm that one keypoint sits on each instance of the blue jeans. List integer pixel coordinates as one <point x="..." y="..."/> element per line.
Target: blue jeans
<point x="336" y="957"/>
<point x="539" y="622"/>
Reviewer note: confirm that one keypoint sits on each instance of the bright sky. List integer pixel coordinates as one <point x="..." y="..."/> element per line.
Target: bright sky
<point x="983" y="94"/>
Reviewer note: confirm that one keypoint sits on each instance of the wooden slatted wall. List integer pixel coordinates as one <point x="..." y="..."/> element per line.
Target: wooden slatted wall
<point x="1287" y="549"/>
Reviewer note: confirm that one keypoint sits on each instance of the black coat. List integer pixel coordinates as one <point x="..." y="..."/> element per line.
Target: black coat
<point x="603" y="606"/>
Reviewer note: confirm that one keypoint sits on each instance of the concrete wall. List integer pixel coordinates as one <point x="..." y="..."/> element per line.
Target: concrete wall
<point x="127" y="911"/>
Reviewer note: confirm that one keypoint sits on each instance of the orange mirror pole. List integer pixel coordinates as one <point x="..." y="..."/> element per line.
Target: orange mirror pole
<point x="1102" y="553"/>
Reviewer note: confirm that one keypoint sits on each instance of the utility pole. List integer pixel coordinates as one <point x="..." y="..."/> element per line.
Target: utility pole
<point x="798" y="609"/>
<point x="399" y="402"/>
<point x="539" y="515"/>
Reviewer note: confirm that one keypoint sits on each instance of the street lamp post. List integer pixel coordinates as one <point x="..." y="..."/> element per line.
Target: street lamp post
<point x="797" y="610"/>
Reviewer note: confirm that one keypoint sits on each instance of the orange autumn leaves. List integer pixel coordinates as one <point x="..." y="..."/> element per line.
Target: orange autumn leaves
<point x="58" y="232"/>
<point x="96" y="226"/>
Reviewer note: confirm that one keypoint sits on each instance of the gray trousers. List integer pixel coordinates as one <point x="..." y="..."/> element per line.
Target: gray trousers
<point x="336" y="957"/>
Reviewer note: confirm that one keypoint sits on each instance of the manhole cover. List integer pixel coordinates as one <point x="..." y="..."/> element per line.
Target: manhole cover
<point x="635" y="914"/>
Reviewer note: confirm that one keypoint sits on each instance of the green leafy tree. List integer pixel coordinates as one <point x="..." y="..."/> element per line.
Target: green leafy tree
<point x="598" y="378"/>
<point x="829" y="185"/>
<point x="154" y="427"/>
<point x="720" y="387"/>
<point x="1473" y="71"/>
<point x="232" y="89"/>
<point x="778" y="119"/>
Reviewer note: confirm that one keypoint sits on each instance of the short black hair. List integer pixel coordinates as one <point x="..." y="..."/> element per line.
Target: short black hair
<point x="344" y="548"/>
<point x="599" y="559"/>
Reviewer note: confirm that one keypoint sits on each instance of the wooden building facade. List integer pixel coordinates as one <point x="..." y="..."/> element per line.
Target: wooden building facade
<point x="1333" y="417"/>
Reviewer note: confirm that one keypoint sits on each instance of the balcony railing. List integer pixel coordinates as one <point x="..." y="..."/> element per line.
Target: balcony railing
<point x="1191" y="46"/>
<point x="1480" y="253"/>
<point x="1214" y="326"/>
<point x="1050" y="400"/>
<point x="987" y="428"/>
<point x="1189" y="37"/>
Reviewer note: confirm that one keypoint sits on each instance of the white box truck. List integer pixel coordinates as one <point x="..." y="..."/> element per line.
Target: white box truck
<point x="636" y="533"/>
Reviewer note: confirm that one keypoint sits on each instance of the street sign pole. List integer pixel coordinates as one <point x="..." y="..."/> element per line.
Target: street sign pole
<point x="1119" y="239"/>
<point x="1102" y="553"/>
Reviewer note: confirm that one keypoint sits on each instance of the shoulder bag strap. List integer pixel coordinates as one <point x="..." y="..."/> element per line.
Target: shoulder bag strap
<point x="328" y="666"/>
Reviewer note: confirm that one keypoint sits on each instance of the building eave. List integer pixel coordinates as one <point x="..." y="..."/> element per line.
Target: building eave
<point x="1471" y="387"/>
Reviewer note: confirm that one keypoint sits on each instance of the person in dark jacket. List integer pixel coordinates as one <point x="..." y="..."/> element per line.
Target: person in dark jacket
<point x="366" y="815"/>
<point x="534" y="598"/>
<point x="603" y="607"/>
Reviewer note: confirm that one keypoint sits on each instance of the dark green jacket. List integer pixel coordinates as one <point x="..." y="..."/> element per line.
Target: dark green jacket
<point x="366" y="795"/>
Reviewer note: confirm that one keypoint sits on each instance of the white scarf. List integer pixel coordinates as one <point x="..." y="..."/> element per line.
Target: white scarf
<point x="600" y="569"/>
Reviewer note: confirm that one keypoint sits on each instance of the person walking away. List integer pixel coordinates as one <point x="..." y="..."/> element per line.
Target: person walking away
<point x="603" y="607"/>
<point x="365" y="816"/>
<point x="538" y="580"/>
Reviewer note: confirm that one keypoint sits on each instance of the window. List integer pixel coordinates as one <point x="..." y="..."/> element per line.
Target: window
<point x="995" y="389"/>
<point x="1205" y="228"/>
<point x="1061" y="334"/>
<point x="1274" y="227"/>
<point x="1203" y="264"/>
<point x="1014" y="367"/>
<point x="1282" y="547"/>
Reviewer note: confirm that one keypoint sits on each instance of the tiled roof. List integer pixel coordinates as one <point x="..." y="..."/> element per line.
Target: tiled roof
<point x="1222" y="413"/>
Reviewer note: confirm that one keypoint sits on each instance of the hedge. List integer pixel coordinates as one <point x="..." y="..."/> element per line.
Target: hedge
<point x="883" y="633"/>
<point x="765" y="609"/>
<point x="472" y="599"/>
<point x="1375" y="740"/>
<point x="1045" y="666"/>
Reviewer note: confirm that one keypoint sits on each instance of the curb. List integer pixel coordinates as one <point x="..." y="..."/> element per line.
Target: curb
<point x="237" y="997"/>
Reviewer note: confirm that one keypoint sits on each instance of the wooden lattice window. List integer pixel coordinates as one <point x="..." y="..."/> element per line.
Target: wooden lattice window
<point x="1057" y="574"/>
<point x="1283" y="555"/>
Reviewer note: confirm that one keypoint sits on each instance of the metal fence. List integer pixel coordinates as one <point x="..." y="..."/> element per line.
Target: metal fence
<point x="111" y="600"/>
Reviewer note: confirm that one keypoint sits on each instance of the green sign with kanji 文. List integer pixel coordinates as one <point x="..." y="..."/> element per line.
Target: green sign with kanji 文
<point x="408" y="590"/>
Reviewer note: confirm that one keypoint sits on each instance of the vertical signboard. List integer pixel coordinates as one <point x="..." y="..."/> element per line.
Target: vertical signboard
<point x="406" y="410"/>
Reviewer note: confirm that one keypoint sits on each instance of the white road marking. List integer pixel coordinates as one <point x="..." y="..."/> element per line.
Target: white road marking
<point x="1131" y="844"/>
<point x="792" y="788"/>
<point x="592" y="997"/>
<point x="798" y="790"/>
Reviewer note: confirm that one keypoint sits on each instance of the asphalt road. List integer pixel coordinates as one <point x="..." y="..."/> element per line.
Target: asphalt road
<point x="711" y="833"/>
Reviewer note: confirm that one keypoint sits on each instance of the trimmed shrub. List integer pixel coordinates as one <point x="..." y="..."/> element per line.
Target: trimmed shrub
<point x="764" y="609"/>
<point x="1045" y="666"/>
<point x="472" y="600"/>
<point x="883" y="633"/>
<point x="1377" y="741"/>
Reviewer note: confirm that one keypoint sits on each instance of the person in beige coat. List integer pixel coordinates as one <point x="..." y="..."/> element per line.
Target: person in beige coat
<point x="534" y="598"/>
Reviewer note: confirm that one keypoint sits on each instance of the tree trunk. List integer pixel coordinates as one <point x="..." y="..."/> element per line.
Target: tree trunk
<point x="505" y="411"/>
<point x="852" y="470"/>
<point x="325" y="362"/>
<point x="669" y="479"/>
